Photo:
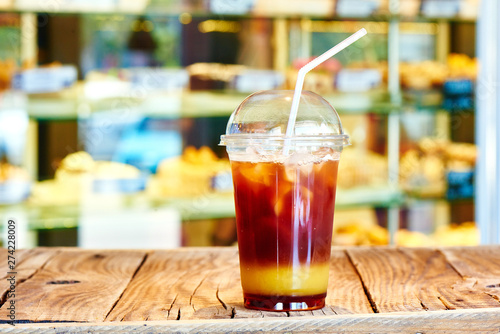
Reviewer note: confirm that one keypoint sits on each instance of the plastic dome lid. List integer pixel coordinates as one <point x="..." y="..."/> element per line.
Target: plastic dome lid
<point x="265" y="115"/>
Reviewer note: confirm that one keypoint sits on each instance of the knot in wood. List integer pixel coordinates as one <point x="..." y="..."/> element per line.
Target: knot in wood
<point x="63" y="282"/>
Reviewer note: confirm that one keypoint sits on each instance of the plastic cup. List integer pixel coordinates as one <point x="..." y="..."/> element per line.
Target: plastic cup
<point x="284" y="198"/>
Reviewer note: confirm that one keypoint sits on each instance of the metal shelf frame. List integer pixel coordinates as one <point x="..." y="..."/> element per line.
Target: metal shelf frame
<point x="488" y="123"/>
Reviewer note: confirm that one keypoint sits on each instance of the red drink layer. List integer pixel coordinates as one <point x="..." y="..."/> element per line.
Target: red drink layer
<point x="284" y="215"/>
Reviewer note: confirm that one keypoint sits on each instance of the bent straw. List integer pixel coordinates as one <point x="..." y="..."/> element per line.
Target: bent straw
<point x="306" y="68"/>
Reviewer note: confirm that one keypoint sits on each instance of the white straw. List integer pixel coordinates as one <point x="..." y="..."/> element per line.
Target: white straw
<point x="309" y="66"/>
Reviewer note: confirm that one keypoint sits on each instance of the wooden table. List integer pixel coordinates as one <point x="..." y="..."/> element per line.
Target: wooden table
<point x="372" y="290"/>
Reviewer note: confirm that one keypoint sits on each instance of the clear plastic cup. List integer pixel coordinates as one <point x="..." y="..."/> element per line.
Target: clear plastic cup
<point x="284" y="191"/>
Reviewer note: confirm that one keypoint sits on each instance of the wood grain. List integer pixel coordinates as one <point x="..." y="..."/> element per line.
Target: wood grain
<point x="412" y="279"/>
<point x="484" y="321"/>
<point x="35" y="257"/>
<point x="148" y="291"/>
<point x="204" y="302"/>
<point x="96" y="281"/>
<point x="345" y="290"/>
<point x="437" y="285"/>
<point x="177" y="284"/>
<point x="479" y="268"/>
<point x="28" y="262"/>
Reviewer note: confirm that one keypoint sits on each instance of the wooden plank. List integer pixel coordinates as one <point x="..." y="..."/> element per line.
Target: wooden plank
<point x="345" y="290"/>
<point x="187" y="284"/>
<point x="28" y="262"/>
<point x="171" y="285"/>
<point x="479" y="268"/>
<point x="205" y="300"/>
<point x="206" y="284"/>
<point x="484" y="321"/>
<point x="20" y="255"/>
<point x="36" y="257"/>
<point x="411" y="279"/>
<point x="479" y="262"/>
<point x="76" y="286"/>
<point x="438" y="282"/>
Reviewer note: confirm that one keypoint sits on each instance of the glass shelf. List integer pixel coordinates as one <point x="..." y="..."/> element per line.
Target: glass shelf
<point x="194" y="104"/>
<point x="210" y="206"/>
<point x="221" y="103"/>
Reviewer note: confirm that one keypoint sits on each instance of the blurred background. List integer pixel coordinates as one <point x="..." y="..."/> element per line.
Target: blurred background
<point x="111" y="112"/>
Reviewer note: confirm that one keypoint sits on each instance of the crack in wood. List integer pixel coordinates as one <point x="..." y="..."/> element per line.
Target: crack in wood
<point x="368" y="295"/>
<point x="218" y="298"/>
<point x="421" y="302"/>
<point x="448" y="306"/>
<point x="494" y="297"/>
<point x="194" y="292"/>
<point x="3" y="298"/>
<point x="233" y="312"/>
<point x="448" y="262"/>
<point x="171" y="305"/>
<point x="178" y="315"/>
<point x="100" y="256"/>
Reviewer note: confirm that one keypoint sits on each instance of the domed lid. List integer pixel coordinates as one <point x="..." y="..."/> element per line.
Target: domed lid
<point x="265" y="115"/>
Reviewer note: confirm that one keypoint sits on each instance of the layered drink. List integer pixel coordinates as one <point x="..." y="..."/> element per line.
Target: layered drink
<point x="284" y="214"/>
<point x="284" y="192"/>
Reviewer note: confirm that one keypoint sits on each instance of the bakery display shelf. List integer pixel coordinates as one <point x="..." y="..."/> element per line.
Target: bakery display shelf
<point x="206" y="206"/>
<point x="210" y="103"/>
<point x="53" y="108"/>
<point x="191" y="105"/>
<point x="43" y="217"/>
<point x="413" y="197"/>
<point x="374" y="196"/>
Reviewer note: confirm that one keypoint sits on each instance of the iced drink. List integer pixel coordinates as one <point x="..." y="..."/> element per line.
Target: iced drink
<point x="284" y="203"/>
<point x="284" y="213"/>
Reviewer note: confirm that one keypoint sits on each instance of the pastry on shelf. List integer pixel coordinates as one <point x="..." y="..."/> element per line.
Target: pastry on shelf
<point x="76" y="168"/>
<point x="358" y="227"/>
<point x="429" y="74"/>
<point x="7" y="70"/>
<point x="462" y="66"/>
<point x="356" y="234"/>
<point x="408" y="238"/>
<point x="423" y="170"/>
<point x="80" y="174"/>
<point x="15" y="184"/>
<point x="465" y="234"/>
<point x="423" y="75"/>
<point x="464" y="153"/>
<point x="10" y="172"/>
<point x="191" y="174"/>
<point x="361" y="168"/>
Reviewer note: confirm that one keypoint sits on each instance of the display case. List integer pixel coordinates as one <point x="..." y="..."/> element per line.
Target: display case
<point x="396" y="91"/>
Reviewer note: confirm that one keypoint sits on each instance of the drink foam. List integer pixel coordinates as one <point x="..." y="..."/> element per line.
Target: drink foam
<point x="302" y="156"/>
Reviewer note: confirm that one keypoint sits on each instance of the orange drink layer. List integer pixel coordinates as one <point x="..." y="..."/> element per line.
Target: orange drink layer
<point x="284" y="214"/>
